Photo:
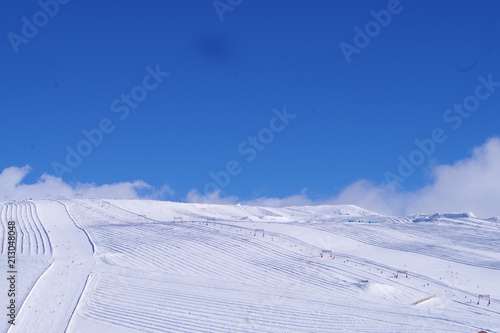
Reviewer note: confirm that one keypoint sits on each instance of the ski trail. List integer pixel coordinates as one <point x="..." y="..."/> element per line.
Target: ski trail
<point x="50" y="304"/>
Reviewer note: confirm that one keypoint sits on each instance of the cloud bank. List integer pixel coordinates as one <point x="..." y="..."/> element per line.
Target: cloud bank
<point x="13" y="188"/>
<point x="468" y="185"/>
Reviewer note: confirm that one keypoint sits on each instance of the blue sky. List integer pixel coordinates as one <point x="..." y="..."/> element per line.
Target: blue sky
<point x="353" y="118"/>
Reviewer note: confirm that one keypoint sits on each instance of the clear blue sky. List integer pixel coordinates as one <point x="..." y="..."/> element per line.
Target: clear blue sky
<point x="225" y="78"/>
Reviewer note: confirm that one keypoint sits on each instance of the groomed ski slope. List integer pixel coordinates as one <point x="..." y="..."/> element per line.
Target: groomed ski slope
<point x="126" y="266"/>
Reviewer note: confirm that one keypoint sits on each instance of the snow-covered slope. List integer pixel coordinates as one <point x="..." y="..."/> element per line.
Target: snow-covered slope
<point x="137" y="265"/>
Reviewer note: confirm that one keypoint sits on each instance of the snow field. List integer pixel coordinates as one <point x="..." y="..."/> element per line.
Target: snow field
<point x="125" y="266"/>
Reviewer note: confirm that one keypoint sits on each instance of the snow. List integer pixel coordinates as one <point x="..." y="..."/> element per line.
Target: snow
<point x="89" y="265"/>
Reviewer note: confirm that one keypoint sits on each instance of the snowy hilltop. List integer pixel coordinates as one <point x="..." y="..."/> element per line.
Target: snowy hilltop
<point x="89" y="265"/>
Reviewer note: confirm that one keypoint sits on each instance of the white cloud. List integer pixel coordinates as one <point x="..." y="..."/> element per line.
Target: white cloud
<point x="293" y="200"/>
<point x="12" y="186"/>
<point x="469" y="185"/>
<point x="383" y="199"/>
<point x="217" y="197"/>
<point x="163" y="191"/>
<point x="212" y="198"/>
